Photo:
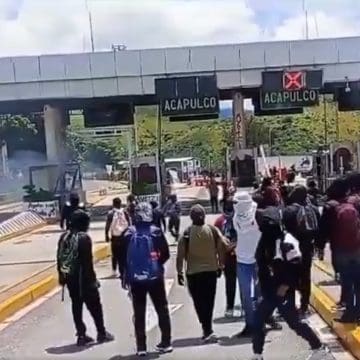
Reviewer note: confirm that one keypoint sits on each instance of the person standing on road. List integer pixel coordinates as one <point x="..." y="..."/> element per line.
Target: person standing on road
<point x="301" y="220"/>
<point x="214" y="195"/>
<point x="158" y="216"/>
<point x="147" y="252"/>
<point x="116" y="223"/>
<point x="202" y="248"/>
<point x="225" y="224"/>
<point x="130" y="207"/>
<point x="285" y="274"/>
<point x="173" y="211"/>
<point x="340" y="225"/>
<point x="76" y="271"/>
<point x="248" y="236"/>
<point x="68" y="209"/>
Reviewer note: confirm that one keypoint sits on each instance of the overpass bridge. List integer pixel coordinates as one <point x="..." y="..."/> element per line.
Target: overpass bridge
<point x="58" y="83"/>
<point x="130" y="74"/>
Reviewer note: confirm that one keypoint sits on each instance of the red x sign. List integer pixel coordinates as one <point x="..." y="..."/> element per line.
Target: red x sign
<point x="293" y="80"/>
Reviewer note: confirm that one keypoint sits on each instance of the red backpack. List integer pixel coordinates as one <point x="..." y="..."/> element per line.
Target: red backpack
<point x="346" y="234"/>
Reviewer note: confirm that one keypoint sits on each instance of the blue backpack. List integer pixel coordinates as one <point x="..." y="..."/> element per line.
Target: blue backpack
<point x="142" y="259"/>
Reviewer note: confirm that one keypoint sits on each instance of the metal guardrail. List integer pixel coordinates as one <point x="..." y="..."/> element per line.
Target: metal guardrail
<point x="26" y="220"/>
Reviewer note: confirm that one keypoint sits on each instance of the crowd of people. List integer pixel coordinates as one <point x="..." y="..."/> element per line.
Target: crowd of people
<point x="263" y="241"/>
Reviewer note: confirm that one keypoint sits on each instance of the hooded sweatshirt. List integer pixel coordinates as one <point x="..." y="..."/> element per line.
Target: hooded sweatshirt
<point x="246" y="228"/>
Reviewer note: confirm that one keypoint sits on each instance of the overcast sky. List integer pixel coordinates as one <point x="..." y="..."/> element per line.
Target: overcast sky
<point x="54" y="26"/>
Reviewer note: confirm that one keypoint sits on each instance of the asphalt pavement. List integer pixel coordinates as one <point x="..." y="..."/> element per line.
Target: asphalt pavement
<point x="45" y="330"/>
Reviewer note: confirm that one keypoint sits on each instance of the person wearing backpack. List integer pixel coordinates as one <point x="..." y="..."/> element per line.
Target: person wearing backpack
<point x="202" y="248"/>
<point x="76" y="272"/>
<point x="283" y="280"/>
<point x="301" y="219"/>
<point x="340" y="225"/>
<point x="147" y="252"/>
<point x="225" y="224"/>
<point x="116" y="223"/>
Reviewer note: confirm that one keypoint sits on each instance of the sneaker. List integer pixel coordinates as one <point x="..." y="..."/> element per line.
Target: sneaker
<point x="319" y="354"/>
<point x="141" y="353"/>
<point x="245" y="333"/>
<point x="164" y="348"/>
<point x="84" y="340"/>
<point x="347" y="318"/>
<point x="206" y="338"/>
<point x="229" y="314"/>
<point x="257" y="357"/>
<point x="103" y="338"/>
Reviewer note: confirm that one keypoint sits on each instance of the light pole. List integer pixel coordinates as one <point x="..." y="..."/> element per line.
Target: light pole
<point x="91" y="27"/>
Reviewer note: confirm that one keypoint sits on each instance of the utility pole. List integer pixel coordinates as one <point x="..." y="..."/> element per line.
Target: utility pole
<point x="91" y="27"/>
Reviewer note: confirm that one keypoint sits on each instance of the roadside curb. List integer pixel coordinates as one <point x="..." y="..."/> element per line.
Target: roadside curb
<point x="24" y="298"/>
<point x="325" y="306"/>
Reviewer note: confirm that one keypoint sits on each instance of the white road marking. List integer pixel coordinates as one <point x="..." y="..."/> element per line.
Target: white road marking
<point x="151" y="315"/>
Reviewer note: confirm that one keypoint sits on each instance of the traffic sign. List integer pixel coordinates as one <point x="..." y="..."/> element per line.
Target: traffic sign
<point x="348" y="97"/>
<point x="283" y="90"/>
<point x="188" y="96"/>
<point x="276" y="100"/>
<point x="294" y="80"/>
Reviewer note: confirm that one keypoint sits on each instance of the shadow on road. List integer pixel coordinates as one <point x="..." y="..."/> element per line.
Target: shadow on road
<point x="149" y="356"/>
<point x="68" y="349"/>
<point x="226" y="320"/>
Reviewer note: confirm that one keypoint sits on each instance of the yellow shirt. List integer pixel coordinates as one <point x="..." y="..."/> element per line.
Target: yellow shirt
<point x="202" y="250"/>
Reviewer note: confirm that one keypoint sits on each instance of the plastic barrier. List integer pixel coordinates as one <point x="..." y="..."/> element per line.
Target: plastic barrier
<point x="23" y="222"/>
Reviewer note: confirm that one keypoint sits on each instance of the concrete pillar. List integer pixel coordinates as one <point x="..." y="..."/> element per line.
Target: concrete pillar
<point x="54" y="124"/>
<point x="239" y="122"/>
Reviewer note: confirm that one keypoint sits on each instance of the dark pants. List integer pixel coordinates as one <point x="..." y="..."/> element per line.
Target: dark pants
<point x="115" y="254"/>
<point x="214" y="204"/>
<point x="349" y="269"/>
<point x="202" y="287"/>
<point x="174" y="226"/>
<point x="305" y="279"/>
<point x="91" y="298"/>
<point x="288" y="311"/>
<point x="230" y="280"/>
<point x="156" y="291"/>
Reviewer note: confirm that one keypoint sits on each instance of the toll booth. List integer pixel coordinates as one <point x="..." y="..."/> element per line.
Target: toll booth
<point x="145" y="179"/>
<point x="49" y="188"/>
<point x="185" y="168"/>
<point x="344" y="158"/>
<point x="243" y="167"/>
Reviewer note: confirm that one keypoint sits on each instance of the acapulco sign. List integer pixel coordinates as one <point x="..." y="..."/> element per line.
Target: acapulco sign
<point x="188" y="96"/>
<point x="290" y="89"/>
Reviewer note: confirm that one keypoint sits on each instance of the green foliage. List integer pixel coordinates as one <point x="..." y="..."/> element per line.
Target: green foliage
<point x="297" y="134"/>
<point x="208" y="140"/>
<point x="16" y="128"/>
<point x="98" y="152"/>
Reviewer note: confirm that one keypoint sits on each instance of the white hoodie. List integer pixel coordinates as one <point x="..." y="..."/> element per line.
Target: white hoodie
<point x="248" y="234"/>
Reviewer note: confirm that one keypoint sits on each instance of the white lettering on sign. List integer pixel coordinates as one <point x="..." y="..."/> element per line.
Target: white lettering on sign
<point x="292" y="97"/>
<point x="148" y="198"/>
<point x="187" y="104"/>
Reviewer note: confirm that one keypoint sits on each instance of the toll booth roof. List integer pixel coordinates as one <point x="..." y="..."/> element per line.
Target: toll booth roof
<point x="183" y="159"/>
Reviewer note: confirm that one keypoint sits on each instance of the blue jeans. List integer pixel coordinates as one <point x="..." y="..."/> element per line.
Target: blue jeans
<point x="247" y="277"/>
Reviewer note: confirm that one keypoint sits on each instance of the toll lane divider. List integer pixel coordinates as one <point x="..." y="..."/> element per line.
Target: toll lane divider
<point x="18" y="301"/>
<point x="20" y="224"/>
<point x="325" y="306"/>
